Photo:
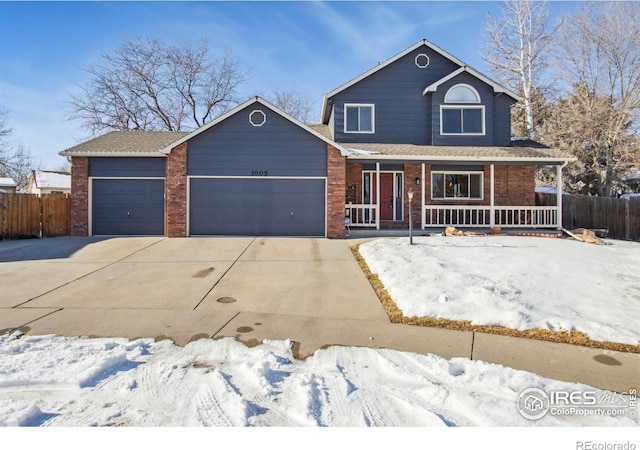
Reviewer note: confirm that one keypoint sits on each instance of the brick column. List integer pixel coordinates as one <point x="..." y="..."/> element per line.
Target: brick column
<point x="411" y="172"/>
<point x="176" y="192"/>
<point x="336" y="186"/>
<point x="79" y="196"/>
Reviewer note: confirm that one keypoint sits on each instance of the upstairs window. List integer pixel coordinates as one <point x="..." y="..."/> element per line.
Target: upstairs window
<point x="464" y="119"/>
<point x="359" y="118"/>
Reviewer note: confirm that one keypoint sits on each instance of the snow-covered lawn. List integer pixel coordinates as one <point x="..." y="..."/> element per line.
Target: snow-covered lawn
<point x="56" y="381"/>
<point x="517" y="282"/>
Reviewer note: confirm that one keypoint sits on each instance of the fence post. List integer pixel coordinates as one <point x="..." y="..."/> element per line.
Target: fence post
<point x="627" y="216"/>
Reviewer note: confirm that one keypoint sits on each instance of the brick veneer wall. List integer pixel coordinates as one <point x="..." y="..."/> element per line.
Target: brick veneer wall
<point x="79" y="196"/>
<point x="176" y="192"/>
<point x="411" y="172"/>
<point x="336" y="185"/>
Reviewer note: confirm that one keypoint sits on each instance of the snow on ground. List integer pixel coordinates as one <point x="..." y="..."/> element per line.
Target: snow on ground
<point x="58" y="382"/>
<point x="517" y="282"/>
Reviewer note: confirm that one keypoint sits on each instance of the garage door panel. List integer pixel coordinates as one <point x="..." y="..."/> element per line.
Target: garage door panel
<point x="128" y="207"/>
<point x="261" y="207"/>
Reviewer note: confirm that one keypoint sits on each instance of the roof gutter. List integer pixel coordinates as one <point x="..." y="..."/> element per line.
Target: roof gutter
<point x="487" y="159"/>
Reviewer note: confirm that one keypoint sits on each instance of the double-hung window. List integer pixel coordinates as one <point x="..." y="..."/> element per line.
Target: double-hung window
<point x="359" y="118"/>
<point x="459" y="115"/>
<point x="456" y="185"/>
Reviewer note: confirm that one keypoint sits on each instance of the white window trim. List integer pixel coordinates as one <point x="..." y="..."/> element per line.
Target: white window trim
<point x="373" y="117"/>
<point x="395" y="190"/>
<point x="471" y="88"/>
<point x="463" y="106"/>
<point x="452" y="172"/>
<point x="418" y="56"/>
<point x="264" y="117"/>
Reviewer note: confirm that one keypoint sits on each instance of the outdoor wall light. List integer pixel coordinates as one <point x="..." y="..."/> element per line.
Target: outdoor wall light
<point x="417" y="180"/>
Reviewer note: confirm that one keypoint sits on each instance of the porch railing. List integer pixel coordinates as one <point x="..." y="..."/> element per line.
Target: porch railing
<point x="361" y="215"/>
<point x="480" y="216"/>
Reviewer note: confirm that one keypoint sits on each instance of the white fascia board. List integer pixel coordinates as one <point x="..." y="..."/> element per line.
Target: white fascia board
<point x="498" y="88"/>
<point x="487" y="159"/>
<point x="267" y="105"/>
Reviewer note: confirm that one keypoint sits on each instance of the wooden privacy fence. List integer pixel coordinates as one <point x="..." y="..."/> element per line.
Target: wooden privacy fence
<point x="621" y="217"/>
<point x="27" y="215"/>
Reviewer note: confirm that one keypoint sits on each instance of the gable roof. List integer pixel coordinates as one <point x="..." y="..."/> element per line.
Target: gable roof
<point x="394" y="58"/>
<point x="498" y="88"/>
<point x="167" y="149"/>
<point x="50" y="179"/>
<point x="125" y="143"/>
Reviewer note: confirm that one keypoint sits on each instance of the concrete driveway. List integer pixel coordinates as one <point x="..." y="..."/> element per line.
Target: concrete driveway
<point x="181" y="289"/>
<point x="310" y="291"/>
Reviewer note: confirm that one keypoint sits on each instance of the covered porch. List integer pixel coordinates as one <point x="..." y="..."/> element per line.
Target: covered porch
<point x="465" y="187"/>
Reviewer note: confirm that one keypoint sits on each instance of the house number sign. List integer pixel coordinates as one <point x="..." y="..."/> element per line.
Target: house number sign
<point x="259" y="173"/>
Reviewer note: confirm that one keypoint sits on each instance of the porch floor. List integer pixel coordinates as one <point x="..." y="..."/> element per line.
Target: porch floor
<point x="360" y="233"/>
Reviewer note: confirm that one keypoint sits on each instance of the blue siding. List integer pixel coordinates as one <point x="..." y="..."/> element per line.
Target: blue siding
<point x="404" y="115"/>
<point x="234" y="147"/>
<point x="502" y="120"/>
<point x="402" y="112"/>
<point x="486" y="98"/>
<point x="126" y="167"/>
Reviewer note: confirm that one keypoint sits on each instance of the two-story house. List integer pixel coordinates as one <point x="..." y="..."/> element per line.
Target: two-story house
<point x="421" y="122"/>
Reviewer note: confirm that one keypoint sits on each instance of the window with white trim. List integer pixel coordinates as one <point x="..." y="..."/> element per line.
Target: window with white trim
<point x="359" y="118"/>
<point x="457" y="185"/>
<point x="464" y="119"/>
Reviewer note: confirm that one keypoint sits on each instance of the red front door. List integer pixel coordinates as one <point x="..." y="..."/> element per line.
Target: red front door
<point x="386" y="194"/>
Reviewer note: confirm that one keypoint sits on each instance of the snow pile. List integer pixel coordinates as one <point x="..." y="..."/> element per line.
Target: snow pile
<point x="55" y="381"/>
<point x="516" y="282"/>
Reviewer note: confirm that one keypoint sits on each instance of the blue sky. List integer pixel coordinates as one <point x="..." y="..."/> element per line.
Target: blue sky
<point x="312" y="47"/>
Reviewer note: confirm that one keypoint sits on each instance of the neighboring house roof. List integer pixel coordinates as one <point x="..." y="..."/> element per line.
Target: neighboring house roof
<point x="126" y="143"/>
<point x="457" y="153"/>
<point x="266" y="104"/>
<point x="463" y="65"/>
<point x="8" y="182"/>
<point x="48" y="179"/>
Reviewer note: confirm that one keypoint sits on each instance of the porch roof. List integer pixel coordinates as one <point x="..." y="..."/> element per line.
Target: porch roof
<point x="521" y="152"/>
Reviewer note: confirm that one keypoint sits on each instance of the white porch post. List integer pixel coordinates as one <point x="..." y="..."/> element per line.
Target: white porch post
<point x="423" y="200"/>
<point x="492" y="205"/>
<point x="378" y="195"/>
<point x="559" y="193"/>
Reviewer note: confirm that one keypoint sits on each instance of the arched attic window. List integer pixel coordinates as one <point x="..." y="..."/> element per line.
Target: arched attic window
<point x="462" y="114"/>
<point x="462" y="93"/>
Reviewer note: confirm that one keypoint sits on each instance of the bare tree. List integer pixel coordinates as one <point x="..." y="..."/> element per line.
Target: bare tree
<point x="598" y="56"/>
<point x="514" y="47"/>
<point x="15" y="160"/>
<point x="293" y="103"/>
<point x="147" y="84"/>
